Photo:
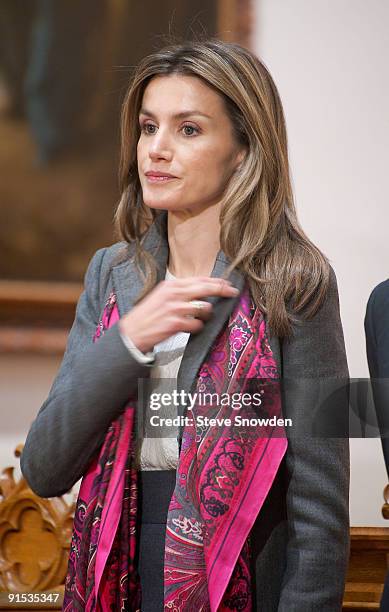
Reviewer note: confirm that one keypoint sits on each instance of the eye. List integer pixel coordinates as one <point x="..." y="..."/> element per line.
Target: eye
<point x="145" y="126"/>
<point x="190" y="127"/>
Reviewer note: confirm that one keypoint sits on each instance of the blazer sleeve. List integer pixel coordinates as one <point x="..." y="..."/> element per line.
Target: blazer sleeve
<point x="92" y="386"/>
<point x="317" y="465"/>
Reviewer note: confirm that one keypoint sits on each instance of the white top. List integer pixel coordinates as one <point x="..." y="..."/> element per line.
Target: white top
<point x="161" y="453"/>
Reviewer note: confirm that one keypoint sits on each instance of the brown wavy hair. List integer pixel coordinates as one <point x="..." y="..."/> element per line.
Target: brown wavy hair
<point x="260" y="233"/>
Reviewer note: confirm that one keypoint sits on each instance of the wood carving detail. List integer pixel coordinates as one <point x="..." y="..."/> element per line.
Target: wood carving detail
<point x="35" y="536"/>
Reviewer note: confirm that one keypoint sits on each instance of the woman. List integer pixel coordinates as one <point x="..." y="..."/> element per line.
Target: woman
<point x="214" y="284"/>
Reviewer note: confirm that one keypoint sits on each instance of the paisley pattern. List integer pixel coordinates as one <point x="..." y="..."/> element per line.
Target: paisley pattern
<point x="96" y="580"/>
<point x="224" y="473"/>
<point x="223" y="477"/>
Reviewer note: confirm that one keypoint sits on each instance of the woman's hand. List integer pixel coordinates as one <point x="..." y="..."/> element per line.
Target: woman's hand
<point x="167" y="309"/>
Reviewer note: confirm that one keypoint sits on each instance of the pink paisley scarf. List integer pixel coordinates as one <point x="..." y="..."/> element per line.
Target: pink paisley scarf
<point x="223" y="477"/>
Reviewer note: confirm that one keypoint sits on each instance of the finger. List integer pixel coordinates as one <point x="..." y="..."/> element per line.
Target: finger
<point x="194" y="308"/>
<point x="220" y="287"/>
<point x="202" y="288"/>
<point x="198" y="309"/>
<point x="192" y="326"/>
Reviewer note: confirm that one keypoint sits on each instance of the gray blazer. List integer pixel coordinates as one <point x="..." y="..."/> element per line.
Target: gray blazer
<point x="302" y="532"/>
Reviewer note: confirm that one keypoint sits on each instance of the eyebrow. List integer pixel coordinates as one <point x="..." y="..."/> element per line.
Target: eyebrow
<point x="182" y="115"/>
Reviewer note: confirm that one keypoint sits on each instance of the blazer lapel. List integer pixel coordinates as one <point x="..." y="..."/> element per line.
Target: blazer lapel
<point x="127" y="280"/>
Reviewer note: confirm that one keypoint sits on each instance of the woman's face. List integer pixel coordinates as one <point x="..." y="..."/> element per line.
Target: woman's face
<point x="185" y="132"/>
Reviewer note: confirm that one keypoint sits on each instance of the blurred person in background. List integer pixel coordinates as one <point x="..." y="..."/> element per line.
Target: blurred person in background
<point x="213" y="283"/>
<point x="377" y="348"/>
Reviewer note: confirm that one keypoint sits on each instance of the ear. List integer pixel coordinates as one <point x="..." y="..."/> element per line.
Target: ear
<point x="240" y="158"/>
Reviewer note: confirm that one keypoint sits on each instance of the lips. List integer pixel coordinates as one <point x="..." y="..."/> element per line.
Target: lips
<point x="159" y="177"/>
<point x="157" y="174"/>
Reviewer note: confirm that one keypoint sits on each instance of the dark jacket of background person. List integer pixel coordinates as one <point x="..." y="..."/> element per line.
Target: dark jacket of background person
<point x="301" y="535"/>
<point x="377" y="348"/>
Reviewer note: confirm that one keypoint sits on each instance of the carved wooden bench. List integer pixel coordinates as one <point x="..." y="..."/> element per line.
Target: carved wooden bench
<point x="35" y="536"/>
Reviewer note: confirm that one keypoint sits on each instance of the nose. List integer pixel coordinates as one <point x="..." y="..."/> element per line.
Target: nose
<point x="160" y="146"/>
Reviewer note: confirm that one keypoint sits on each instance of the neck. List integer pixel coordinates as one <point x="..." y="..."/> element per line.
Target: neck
<point x="193" y="242"/>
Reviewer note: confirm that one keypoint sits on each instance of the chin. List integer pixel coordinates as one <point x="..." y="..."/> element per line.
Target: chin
<point x="163" y="204"/>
